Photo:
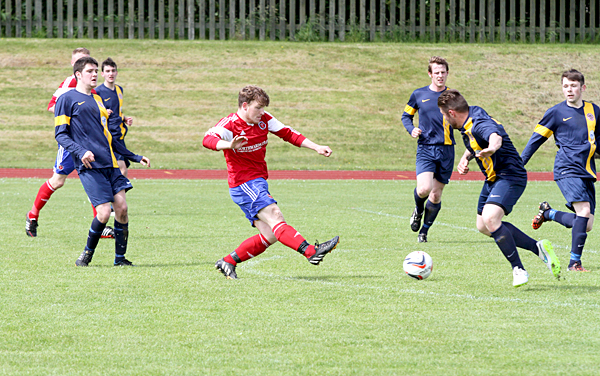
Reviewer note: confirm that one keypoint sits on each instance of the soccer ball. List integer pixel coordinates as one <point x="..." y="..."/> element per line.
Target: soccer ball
<point x="418" y="265"/>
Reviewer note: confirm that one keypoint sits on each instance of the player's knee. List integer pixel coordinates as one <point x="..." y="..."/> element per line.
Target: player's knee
<point x="270" y="238"/>
<point x="423" y="191"/>
<point x="56" y="181"/>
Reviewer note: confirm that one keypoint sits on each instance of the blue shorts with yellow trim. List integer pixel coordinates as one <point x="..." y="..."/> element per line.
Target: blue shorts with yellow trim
<point x="438" y="159"/>
<point x="64" y="164"/>
<point x="102" y="184"/>
<point x="252" y="197"/>
<point x="578" y="190"/>
<point x="503" y="193"/>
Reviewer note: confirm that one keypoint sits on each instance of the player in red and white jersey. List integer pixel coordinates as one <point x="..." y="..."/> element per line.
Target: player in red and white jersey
<point x="64" y="162"/>
<point x="243" y="137"/>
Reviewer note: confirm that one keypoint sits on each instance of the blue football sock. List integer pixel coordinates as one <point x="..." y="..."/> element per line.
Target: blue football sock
<point x="578" y="237"/>
<point x="121" y="235"/>
<point x="94" y="234"/>
<point x="564" y="218"/>
<point x="507" y="245"/>
<point x="431" y="212"/>
<point x="522" y="240"/>
<point x="419" y="202"/>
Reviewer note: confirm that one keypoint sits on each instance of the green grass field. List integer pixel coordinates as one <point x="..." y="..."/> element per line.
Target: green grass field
<point x="348" y="96"/>
<point x="355" y="314"/>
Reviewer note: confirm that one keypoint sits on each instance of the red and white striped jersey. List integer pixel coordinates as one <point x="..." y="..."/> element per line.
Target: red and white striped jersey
<point x="248" y="162"/>
<point x="68" y="84"/>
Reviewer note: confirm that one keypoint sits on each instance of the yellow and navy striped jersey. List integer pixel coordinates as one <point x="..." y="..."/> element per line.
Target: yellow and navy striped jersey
<point x="81" y="124"/>
<point x="506" y="162"/>
<point x="575" y="133"/>
<point x="434" y="128"/>
<point x="113" y="100"/>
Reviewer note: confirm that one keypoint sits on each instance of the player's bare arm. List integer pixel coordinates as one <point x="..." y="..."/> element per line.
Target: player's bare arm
<point x="236" y="143"/>
<point x="321" y="149"/>
<point x="463" y="165"/>
<point x="494" y="143"/>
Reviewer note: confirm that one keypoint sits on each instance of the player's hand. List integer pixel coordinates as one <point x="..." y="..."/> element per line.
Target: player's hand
<point x="128" y="120"/>
<point x="463" y="166"/>
<point x="238" y="142"/>
<point x="145" y="162"/>
<point x="484" y="153"/>
<point x="323" y="150"/>
<point x="109" y="111"/>
<point x="87" y="159"/>
<point x="416" y="132"/>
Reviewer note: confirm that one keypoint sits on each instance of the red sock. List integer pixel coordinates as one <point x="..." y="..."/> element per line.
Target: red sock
<point x="41" y="199"/>
<point x="288" y="236"/>
<point x="94" y="210"/>
<point x="249" y="248"/>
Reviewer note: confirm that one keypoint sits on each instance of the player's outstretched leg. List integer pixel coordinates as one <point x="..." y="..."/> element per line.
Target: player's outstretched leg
<point x="31" y="226"/>
<point x="546" y="253"/>
<point x="251" y="247"/>
<point x="539" y="218"/>
<point x="226" y="268"/>
<point x="288" y="236"/>
<point x="322" y="249"/>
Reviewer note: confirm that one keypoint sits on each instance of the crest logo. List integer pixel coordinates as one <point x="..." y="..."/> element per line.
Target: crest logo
<point x="262" y="125"/>
<point x="592" y="136"/>
<point x="590" y="117"/>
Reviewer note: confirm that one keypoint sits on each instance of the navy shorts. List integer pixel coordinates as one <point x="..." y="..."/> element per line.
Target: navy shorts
<point x="438" y="159"/>
<point x="503" y="193"/>
<point x="64" y="164"/>
<point x="102" y="184"/>
<point x="252" y="197"/>
<point x="578" y="190"/>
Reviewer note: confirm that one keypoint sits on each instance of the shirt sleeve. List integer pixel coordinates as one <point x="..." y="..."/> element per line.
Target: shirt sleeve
<point x="217" y="133"/>
<point x="541" y="133"/>
<point x="408" y="115"/>
<point x="120" y="148"/>
<point x="285" y="132"/>
<point x="62" y="122"/>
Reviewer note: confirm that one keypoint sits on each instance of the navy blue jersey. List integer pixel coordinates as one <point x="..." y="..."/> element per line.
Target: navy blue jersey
<point x="434" y="128"/>
<point x="113" y="100"/>
<point x="575" y="134"/>
<point x="505" y="163"/>
<point x="81" y="124"/>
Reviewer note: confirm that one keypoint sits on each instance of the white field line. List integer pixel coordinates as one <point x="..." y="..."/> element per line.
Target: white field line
<point x="250" y="264"/>
<point x="438" y="223"/>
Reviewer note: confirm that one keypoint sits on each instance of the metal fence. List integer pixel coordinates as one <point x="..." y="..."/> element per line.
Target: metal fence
<point x="471" y="21"/>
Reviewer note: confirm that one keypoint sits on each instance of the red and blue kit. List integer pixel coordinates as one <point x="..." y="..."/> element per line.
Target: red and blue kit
<point x="248" y="162"/>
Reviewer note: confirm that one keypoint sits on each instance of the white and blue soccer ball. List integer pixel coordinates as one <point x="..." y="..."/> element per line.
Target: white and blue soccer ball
<point x="418" y="265"/>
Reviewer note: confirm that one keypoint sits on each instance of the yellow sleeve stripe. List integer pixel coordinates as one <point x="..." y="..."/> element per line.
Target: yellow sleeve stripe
<point x="62" y="119"/>
<point x="409" y="110"/>
<point x="540" y="129"/>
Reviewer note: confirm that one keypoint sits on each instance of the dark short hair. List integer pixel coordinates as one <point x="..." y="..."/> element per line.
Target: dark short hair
<point x="573" y="75"/>
<point x="437" y="60"/>
<point x="108" y="63"/>
<point x="81" y="63"/>
<point x="451" y="99"/>
<point x="253" y="93"/>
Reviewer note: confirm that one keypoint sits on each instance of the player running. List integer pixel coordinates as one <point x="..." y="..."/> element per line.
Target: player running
<point x="435" y="148"/>
<point x="506" y="179"/>
<point x="64" y="163"/>
<point x="573" y="124"/>
<point x="243" y="138"/>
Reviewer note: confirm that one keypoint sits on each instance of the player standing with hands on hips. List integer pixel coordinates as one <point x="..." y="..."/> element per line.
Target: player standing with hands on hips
<point x="435" y="149"/>
<point x="81" y="127"/>
<point x="506" y="178"/>
<point x="574" y="126"/>
<point x="243" y="138"/>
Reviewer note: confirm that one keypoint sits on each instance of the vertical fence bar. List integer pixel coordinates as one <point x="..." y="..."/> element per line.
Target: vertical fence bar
<point x="282" y="19"/>
<point x="90" y="19"/>
<point x="362" y="23"/>
<point x="262" y="27"/>
<point x="563" y="22"/>
<point x="131" y="19"/>
<point x="302" y="13"/>
<point x="172" y="17"/>
<point x="28" y="13"/>
<point x="80" y="16"/>
<point x="502" y="24"/>
<point x="100" y="19"/>
<point x="111" y="19"/>
<point x="8" y="25"/>
<point x="513" y="21"/>
<point x="372" y="19"/>
<point x="432" y="21"/>
<point x="38" y="17"/>
<point x="342" y="20"/>
<point x="211" y="19"/>
<point x="523" y="36"/>
<point x="70" y="19"/>
<point x="582" y="20"/>
<point x="402" y="19"/>
<point x="151" y="19"/>
<point x="382" y="19"/>
<point x="422" y="20"/>
<point x="353" y="18"/>
<point x="141" y="27"/>
<point x="272" y="19"/>
<point x="121" y="19"/>
<point x="552" y="26"/>
<point x="181" y="19"/>
<point x="49" y="17"/>
<point x="18" y="18"/>
<point x="542" y="21"/>
<point x="472" y="21"/>
<point x="331" y="20"/>
<point x="202" y="19"/>
<point x="572" y="21"/>
<point x="532" y="13"/>
<point x="481" y="21"/>
<point x="491" y="21"/>
<point x="452" y="21"/>
<point x="190" y="20"/>
<point x="161" y="19"/>
<point x="442" y="13"/>
<point x="232" y="18"/>
<point x="222" y="19"/>
<point x="292" y="20"/>
<point x="462" y="21"/>
<point x="593" y="21"/>
<point x="393" y="23"/>
<point x="252" y="19"/>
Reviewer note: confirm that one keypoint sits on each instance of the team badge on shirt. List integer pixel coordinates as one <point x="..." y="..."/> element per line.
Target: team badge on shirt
<point x="590" y="116"/>
<point x="262" y="125"/>
<point x="592" y="136"/>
